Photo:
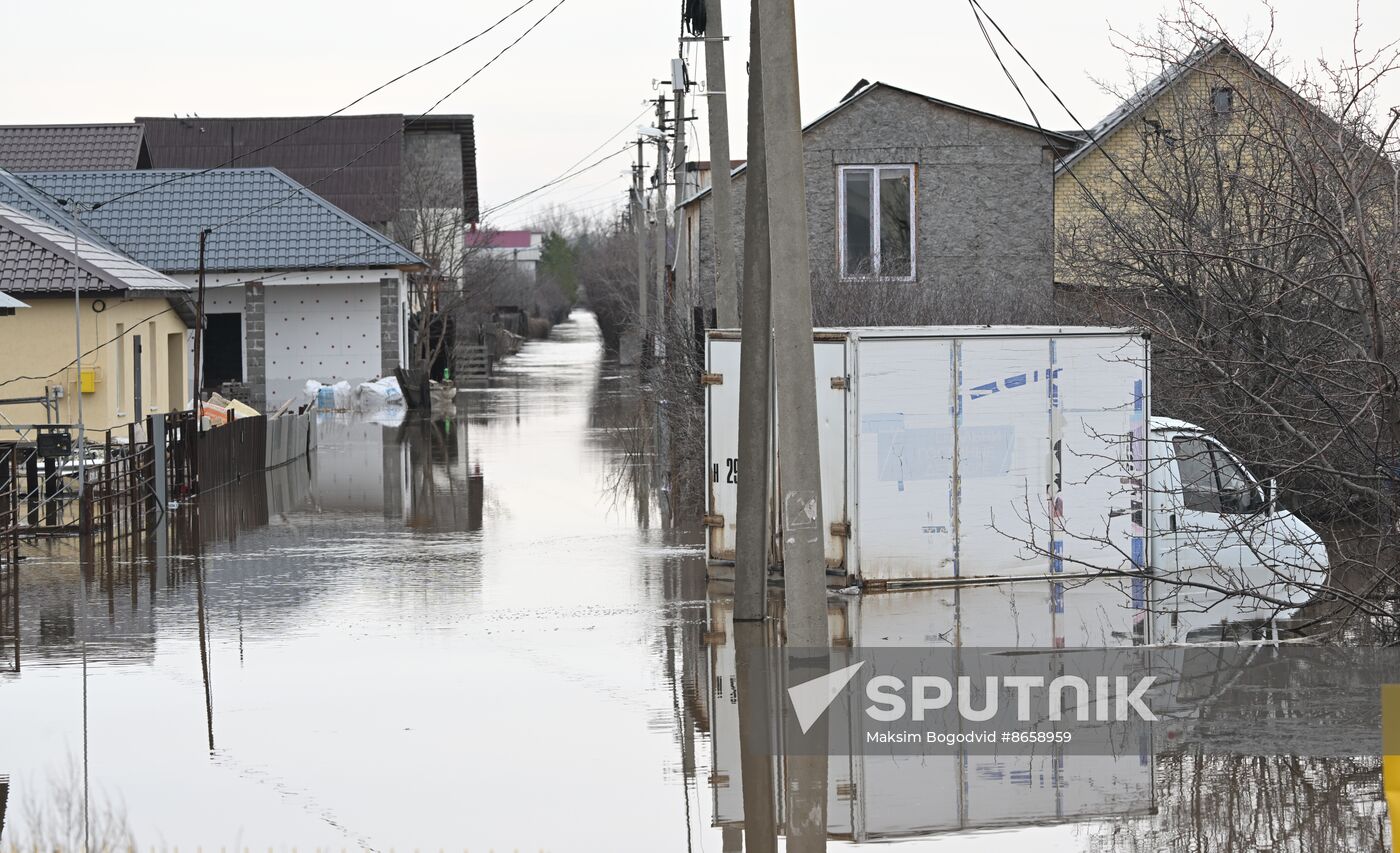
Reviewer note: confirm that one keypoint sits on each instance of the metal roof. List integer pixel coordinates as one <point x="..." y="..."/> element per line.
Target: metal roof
<point x="1141" y="98"/>
<point x="8" y="301"/>
<point x="37" y="256"/>
<point x="282" y="226"/>
<point x="355" y="162"/>
<point x="60" y="147"/>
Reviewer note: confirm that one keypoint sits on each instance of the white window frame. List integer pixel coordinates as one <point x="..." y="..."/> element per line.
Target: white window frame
<point x="875" y="168"/>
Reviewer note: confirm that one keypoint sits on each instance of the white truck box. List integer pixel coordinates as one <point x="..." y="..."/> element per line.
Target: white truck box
<point x="961" y="453"/>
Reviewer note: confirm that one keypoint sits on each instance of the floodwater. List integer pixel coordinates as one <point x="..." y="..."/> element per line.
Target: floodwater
<point x="380" y="651"/>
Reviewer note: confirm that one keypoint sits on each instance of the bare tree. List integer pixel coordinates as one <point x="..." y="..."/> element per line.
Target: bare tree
<point x="450" y="299"/>
<point x="1252" y="226"/>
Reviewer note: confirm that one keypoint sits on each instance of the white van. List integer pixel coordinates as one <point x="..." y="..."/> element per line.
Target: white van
<point x="985" y="454"/>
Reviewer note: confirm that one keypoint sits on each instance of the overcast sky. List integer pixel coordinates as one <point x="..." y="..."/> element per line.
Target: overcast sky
<point x="582" y="75"/>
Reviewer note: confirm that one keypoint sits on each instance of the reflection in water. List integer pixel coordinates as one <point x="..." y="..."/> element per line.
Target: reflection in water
<point x="381" y="650"/>
<point x="1162" y="796"/>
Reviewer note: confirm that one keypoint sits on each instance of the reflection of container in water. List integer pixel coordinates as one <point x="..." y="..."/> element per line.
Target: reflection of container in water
<point x="476" y="490"/>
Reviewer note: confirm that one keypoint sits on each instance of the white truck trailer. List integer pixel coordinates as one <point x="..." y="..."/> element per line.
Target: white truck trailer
<point x="975" y="454"/>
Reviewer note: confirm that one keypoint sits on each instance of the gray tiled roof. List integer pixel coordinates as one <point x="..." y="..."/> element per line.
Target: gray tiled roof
<point x="37" y="256"/>
<point x="281" y="225"/>
<point x="58" y="147"/>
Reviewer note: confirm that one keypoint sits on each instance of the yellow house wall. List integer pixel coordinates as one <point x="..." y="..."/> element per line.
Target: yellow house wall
<point x="38" y="341"/>
<point x="1094" y="175"/>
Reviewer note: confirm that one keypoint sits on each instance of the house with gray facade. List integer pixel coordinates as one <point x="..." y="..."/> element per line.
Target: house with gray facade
<point x="296" y="288"/>
<point x="907" y="195"/>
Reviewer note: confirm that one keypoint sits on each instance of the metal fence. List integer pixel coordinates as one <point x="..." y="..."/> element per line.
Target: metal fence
<point x="127" y="479"/>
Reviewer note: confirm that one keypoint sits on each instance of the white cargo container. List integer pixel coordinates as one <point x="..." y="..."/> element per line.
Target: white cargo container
<point x="959" y="454"/>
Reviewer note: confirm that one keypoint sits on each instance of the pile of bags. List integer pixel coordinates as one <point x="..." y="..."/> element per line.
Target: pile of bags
<point x="366" y="397"/>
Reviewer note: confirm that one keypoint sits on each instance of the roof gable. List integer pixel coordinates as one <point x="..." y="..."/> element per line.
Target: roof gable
<point x="37" y="256"/>
<point x="61" y="147"/>
<point x="1145" y="97"/>
<point x="281" y="225"/>
<point x="865" y="89"/>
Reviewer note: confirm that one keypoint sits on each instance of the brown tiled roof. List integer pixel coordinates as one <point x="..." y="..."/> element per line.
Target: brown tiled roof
<point x="72" y="147"/>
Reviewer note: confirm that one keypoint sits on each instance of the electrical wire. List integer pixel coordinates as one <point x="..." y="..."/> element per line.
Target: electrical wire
<point x="558" y="180"/>
<point x="132" y="328"/>
<point x="398" y="132"/>
<point x="376" y="90"/>
<point x="575" y="164"/>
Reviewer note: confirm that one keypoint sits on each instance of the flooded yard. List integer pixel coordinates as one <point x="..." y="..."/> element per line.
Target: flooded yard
<point x="382" y="651"/>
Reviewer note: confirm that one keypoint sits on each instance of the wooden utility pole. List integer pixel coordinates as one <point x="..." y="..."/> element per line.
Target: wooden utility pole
<point x="198" y="358"/>
<point x="721" y="187"/>
<point x="753" y="532"/>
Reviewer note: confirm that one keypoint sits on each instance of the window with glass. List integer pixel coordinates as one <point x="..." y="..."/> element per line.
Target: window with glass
<point x="877" y="222"/>
<point x="1212" y="481"/>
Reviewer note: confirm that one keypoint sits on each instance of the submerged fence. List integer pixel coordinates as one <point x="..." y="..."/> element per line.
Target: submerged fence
<point x="123" y="483"/>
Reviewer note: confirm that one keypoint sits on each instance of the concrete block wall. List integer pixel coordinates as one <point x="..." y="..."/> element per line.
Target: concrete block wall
<point x="984" y="197"/>
<point x="389" y="314"/>
<point x="255" y="343"/>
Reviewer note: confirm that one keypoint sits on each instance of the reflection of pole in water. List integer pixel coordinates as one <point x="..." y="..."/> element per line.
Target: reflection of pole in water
<point x="755" y="740"/>
<point x="204" y="645"/>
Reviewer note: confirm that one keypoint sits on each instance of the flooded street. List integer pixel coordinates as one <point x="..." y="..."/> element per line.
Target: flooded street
<point x="384" y="652"/>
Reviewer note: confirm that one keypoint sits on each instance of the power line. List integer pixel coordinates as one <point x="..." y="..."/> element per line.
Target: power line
<point x="131" y="329"/>
<point x="399" y="131"/>
<point x="575" y="164"/>
<point x="596" y="163"/>
<point x="376" y="90"/>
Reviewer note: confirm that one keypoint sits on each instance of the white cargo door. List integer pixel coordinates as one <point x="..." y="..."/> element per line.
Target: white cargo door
<point x="1003" y="447"/>
<point x="829" y="361"/>
<point x="721" y="446"/>
<point x="904" y="393"/>
<point x="1099" y="417"/>
<point x="830" y="358"/>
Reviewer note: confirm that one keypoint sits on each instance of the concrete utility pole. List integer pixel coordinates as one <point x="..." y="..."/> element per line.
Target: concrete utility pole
<point x="678" y="85"/>
<point x="799" y="476"/>
<point x="639" y="229"/>
<point x="721" y="186"/>
<point x="661" y="210"/>
<point x="804" y="560"/>
<point x="753" y="534"/>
